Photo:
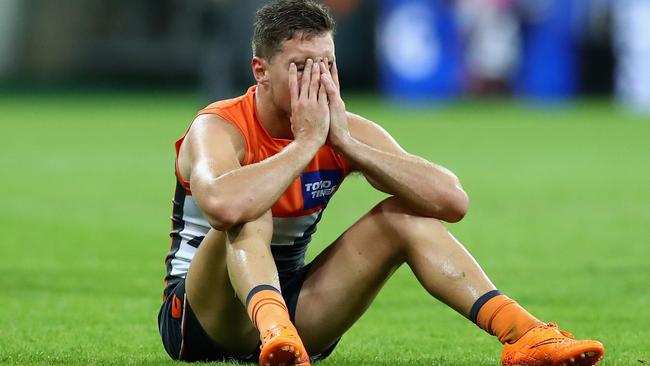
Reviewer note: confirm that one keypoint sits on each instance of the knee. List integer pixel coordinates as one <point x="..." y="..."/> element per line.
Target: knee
<point x="403" y="224"/>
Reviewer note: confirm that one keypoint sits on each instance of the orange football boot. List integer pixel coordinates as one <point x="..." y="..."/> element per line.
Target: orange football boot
<point x="281" y="346"/>
<point x="547" y="345"/>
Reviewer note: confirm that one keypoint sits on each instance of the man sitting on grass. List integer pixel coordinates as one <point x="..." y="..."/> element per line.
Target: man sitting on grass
<point x="254" y="175"/>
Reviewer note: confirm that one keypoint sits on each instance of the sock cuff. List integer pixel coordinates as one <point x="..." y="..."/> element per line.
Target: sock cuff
<point x="257" y="289"/>
<point x="473" y="314"/>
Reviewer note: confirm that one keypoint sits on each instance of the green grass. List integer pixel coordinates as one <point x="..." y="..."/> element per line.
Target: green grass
<point x="559" y="220"/>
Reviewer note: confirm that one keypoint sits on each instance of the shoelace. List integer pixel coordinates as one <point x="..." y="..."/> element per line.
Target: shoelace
<point x="563" y="332"/>
<point x="272" y="333"/>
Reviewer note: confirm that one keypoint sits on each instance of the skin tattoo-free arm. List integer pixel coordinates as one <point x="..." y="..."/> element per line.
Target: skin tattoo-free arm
<point x="230" y="194"/>
<point x="428" y="189"/>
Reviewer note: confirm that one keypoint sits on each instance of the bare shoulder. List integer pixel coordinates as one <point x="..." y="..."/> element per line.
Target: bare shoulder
<point x="371" y="133"/>
<point x="211" y="128"/>
<point x="209" y="138"/>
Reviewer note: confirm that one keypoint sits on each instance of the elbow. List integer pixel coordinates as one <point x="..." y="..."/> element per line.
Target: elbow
<point x="223" y="215"/>
<point x="456" y="206"/>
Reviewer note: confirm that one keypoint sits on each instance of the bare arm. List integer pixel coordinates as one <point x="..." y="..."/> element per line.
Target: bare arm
<point x="427" y="188"/>
<point x="230" y="194"/>
<point x="226" y="192"/>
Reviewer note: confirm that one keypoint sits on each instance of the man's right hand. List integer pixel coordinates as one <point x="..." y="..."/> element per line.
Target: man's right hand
<point x="310" y="117"/>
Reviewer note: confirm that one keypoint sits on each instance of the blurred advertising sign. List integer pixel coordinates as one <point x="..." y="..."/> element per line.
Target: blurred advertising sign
<point x="549" y="54"/>
<point x="419" y="49"/>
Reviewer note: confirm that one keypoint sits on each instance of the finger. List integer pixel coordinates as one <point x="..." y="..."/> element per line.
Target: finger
<point x="323" y="67"/>
<point x="335" y="75"/>
<point x="322" y="95"/>
<point x="326" y="62"/>
<point x="330" y="87"/>
<point x="293" y="83"/>
<point x="315" y="81"/>
<point x="333" y="93"/>
<point x="306" y="78"/>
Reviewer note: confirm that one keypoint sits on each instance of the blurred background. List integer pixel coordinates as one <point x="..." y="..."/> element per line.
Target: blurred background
<point x="541" y="107"/>
<point x="404" y="49"/>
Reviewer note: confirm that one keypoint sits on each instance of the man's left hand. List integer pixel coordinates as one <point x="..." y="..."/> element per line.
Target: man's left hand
<point x="339" y="134"/>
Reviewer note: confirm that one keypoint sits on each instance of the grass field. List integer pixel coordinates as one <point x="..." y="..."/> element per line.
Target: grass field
<point x="559" y="218"/>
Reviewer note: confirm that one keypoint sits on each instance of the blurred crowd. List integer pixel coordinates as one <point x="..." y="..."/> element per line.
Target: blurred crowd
<point x="540" y="49"/>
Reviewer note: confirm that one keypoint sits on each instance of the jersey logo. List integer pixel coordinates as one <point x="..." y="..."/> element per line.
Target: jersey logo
<point x="319" y="186"/>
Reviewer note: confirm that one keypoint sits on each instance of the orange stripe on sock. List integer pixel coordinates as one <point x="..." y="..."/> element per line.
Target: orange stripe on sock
<point x="505" y="319"/>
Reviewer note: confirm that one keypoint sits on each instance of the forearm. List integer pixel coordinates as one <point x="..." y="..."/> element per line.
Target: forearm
<point x="427" y="188"/>
<point x="245" y="193"/>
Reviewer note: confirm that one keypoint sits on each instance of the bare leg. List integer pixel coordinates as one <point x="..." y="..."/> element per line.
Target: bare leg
<point x="222" y="269"/>
<point x="249" y="258"/>
<point x="332" y="299"/>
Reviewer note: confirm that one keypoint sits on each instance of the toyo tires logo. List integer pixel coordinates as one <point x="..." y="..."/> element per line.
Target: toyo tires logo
<point x="319" y="186"/>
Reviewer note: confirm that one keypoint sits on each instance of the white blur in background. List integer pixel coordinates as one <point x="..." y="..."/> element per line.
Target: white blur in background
<point x="632" y="45"/>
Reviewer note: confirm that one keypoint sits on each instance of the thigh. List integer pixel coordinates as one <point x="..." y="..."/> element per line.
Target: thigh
<point x="345" y="278"/>
<point x="213" y="298"/>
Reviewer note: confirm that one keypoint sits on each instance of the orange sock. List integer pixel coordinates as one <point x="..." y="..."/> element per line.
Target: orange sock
<point x="505" y="319"/>
<point x="266" y="308"/>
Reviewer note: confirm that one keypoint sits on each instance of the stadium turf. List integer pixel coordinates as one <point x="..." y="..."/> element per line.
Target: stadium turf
<point x="559" y="219"/>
